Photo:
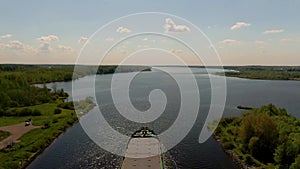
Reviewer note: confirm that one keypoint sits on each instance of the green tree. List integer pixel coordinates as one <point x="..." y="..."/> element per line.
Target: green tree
<point x="288" y="151"/>
<point x="259" y="135"/>
<point x="296" y="164"/>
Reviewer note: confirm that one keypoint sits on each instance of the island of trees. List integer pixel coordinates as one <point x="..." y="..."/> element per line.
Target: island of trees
<point x="266" y="137"/>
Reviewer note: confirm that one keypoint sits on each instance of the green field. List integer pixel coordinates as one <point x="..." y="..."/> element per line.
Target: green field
<point x="35" y="141"/>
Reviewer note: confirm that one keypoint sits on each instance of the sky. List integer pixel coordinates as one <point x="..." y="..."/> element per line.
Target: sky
<point x="256" y="32"/>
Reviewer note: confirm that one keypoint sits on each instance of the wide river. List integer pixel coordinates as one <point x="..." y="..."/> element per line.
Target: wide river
<point x="74" y="149"/>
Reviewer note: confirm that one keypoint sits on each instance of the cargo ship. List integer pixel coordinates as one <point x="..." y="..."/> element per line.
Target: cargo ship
<point x="143" y="151"/>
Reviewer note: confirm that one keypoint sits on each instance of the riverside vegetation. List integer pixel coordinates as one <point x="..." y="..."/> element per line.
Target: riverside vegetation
<point x="266" y="137"/>
<point x="265" y="72"/>
<point x="21" y="100"/>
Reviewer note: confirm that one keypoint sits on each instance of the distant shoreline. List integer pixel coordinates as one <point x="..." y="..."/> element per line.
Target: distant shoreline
<point x="291" y="73"/>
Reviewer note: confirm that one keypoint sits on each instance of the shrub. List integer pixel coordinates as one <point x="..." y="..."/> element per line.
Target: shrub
<point x="66" y="105"/>
<point x="36" y="112"/>
<point x="249" y="160"/>
<point x="228" y="145"/>
<point x="25" y="112"/>
<point x="296" y="164"/>
<point x="46" y="125"/>
<point x="57" y="111"/>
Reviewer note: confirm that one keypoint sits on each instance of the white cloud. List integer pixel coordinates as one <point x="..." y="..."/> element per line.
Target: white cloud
<point x="65" y="48"/>
<point x="171" y="26"/>
<point x="5" y="36"/>
<point x="273" y="31"/>
<point x="122" y="29"/>
<point x="49" y="38"/>
<point x="15" y="44"/>
<point x="82" y="39"/>
<point x="229" y="41"/>
<point x="239" y="25"/>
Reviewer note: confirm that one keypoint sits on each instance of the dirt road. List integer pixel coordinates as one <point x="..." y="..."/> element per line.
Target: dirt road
<point x="16" y="132"/>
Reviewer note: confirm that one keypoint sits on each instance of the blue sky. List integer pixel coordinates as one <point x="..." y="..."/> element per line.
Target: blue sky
<point x="267" y="32"/>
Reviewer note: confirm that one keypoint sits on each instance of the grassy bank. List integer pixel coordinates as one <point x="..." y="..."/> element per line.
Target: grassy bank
<point x="3" y="135"/>
<point x="265" y="137"/>
<point x="34" y="142"/>
<point x="20" y="100"/>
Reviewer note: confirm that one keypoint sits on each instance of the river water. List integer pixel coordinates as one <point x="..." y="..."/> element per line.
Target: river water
<point x="74" y="149"/>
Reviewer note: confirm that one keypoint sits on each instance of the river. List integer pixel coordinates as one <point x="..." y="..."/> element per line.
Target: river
<point x="74" y="149"/>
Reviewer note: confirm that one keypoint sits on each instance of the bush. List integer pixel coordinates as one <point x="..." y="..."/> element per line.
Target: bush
<point x="296" y="164"/>
<point x="66" y="105"/>
<point x="228" y="145"/>
<point x="57" y="111"/>
<point x="25" y="112"/>
<point x="250" y="160"/>
<point x="46" y="125"/>
<point x="36" y="112"/>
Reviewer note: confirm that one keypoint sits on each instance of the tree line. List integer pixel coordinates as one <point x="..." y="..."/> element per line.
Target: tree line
<point x="17" y="89"/>
<point x="265" y="72"/>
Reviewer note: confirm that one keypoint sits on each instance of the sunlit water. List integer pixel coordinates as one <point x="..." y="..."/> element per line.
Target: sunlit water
<point x="74" y="149"/>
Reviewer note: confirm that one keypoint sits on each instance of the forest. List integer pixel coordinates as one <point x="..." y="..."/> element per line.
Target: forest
<point x="17" y="89"/>
<point x="266" y="137"/>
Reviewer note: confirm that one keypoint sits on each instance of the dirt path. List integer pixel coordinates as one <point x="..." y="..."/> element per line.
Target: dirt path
<point x="16" y="131"/>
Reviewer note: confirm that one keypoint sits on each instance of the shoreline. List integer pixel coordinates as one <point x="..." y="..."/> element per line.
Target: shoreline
<point x="261" y="78"/>
<point x="249" y="78"/>
<point x="59" y="134"/>
<point x="47" y="145"/>
<point x="236" y="160"/>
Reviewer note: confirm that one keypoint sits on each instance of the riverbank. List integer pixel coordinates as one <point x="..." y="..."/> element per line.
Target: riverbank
<point x="53" y="121"/>
<point x="237" y="161"/>
<point x="264" y="72"/>
<point x="265" y="137"/>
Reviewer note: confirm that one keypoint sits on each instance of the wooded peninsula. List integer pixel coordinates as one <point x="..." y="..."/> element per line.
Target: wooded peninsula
<point x="266" y="137"/>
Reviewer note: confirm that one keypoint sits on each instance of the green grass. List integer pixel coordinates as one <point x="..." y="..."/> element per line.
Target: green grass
<point x="35" y="141"/>
<point x="4" y="135"/>
<point x="5" y="121"/>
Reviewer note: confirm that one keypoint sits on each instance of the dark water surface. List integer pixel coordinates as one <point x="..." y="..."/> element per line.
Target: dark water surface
<point x="74" y="149"/>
